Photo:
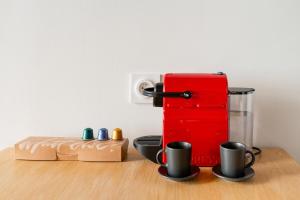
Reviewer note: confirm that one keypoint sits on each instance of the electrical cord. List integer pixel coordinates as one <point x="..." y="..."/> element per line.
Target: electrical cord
<point x="256" y="150"/>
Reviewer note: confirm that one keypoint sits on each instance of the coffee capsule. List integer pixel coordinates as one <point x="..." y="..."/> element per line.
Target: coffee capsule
<point x="117" y="134"/>
<point x="87" y="134"/>
<point x="102" y="134"/>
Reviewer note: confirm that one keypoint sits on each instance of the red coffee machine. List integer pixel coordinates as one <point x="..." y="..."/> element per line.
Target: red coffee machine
<point x="195" y="109"/>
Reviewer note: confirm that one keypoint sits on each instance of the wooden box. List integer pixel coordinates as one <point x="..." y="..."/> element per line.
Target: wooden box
<point x="67" y="148"/>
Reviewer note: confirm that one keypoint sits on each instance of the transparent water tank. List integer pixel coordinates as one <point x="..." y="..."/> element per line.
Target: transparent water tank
<point x="241" y="115"/>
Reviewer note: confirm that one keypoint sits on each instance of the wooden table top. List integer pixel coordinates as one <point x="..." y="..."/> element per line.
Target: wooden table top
<point x="277" y="177"/>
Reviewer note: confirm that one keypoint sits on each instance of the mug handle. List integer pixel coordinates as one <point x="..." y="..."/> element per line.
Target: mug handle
<point x="157" y="157"/>
<point x="252" y="159"/>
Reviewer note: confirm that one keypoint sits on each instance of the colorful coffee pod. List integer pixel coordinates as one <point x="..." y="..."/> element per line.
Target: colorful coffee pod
<point x="87" y="134"/>
<point x="117" y="134"/>
<point x="103" y="134"/>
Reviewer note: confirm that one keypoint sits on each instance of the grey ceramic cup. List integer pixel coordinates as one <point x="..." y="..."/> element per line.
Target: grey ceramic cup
<point x="233" y="159"/>
<point x="178" y="158"/>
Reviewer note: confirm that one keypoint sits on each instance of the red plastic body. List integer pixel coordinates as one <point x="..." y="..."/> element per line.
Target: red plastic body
<point x="201" y="120"/>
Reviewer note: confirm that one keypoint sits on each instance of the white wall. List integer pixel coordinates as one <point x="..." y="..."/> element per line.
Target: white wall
<point x="64" y="64"/>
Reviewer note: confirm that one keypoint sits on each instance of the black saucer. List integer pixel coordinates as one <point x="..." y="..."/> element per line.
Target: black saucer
<point x="249" y="173"/>
<point x="194" y="172"/>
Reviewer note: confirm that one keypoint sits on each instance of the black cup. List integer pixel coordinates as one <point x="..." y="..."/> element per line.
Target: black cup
<point x="233" y="159"/>
<point x="178" y="159"/>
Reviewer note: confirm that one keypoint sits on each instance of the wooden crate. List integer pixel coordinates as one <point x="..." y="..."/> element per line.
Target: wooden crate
<point x="68" y="148"/>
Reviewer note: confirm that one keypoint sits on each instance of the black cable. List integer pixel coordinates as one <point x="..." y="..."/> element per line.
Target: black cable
<point x="256" y="150"/>
<point x="150" y="92"/>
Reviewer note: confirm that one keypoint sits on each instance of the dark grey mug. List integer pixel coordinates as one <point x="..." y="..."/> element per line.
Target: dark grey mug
<point x="178" y="158"/>
<point x="233" y="159"/>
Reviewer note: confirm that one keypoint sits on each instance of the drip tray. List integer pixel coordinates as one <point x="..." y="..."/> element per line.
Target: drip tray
<point x="148" y="146"/>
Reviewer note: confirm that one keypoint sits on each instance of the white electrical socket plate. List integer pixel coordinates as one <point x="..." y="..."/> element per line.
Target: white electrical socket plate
<point x="138" y="81"/>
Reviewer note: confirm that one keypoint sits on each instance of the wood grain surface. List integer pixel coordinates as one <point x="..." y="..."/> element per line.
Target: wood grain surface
<point x="277" y="177"/>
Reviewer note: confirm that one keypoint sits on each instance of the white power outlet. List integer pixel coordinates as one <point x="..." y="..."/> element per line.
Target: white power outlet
<point x="139" y="81"/>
